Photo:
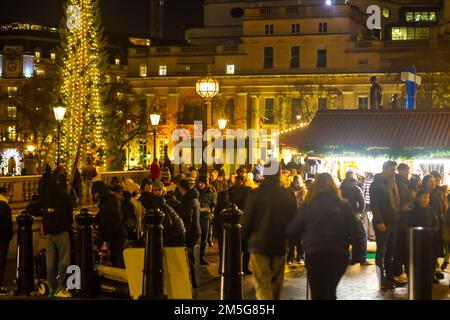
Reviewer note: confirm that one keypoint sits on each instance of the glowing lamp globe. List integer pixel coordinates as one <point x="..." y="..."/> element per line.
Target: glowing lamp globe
<point x="154" y="118"/>
<point x="222" y="123"/>
<point x="59" y="112"/>
<point x="207" y="87"/>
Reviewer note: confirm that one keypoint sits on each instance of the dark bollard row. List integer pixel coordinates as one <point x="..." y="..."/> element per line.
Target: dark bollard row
<point x="24" y="283"/>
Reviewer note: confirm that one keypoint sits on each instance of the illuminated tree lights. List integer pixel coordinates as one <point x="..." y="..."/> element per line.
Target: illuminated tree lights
<point x="81" y="74"/>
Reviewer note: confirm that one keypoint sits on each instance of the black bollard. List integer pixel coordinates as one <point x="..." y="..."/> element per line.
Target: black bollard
<point x="153" y="279"/>
<point x="25" y="271"/>
<point x="231" y="286"/>
<point x="85" y="254"/>
<point x="421" y="263"/>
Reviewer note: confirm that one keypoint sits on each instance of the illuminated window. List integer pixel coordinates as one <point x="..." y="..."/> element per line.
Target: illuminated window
<point x="421" y="16"/>
<point x="269" y="112"/>
<point x="37" y="54"/>
<point x="119" y="79"/>
<point x="53" y="56"/>
<point x="432" y="16"/>
<point x="12" y="91"/>
<point x="230" y="69"/>
<point x="163" y="70"/>
<point x="40" y="72"/>
<point x="188" y="68"/>
<point x="323" y="27"/>
<point x="12" y="113"/>
<point x="363" y="103"/>
<point x="28" y="66"/>
<point x="117" y="61"/>
<point x="295" y="28"/>
<point x="404" y="33"/>
<point x="12" y="134"/>
<point x="143" y="70"/>
<point x="107" y="78"/>
<point x="386" y="13"/>
<point x="268" y="29"/>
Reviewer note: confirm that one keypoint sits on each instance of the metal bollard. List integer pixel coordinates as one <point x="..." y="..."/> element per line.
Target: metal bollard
<point x="85" y="254"/>
<point x="421" y="263"/>
<point x="231" y="285"/>
<point x="25" y="262"/>
<point x="153" y="279"/>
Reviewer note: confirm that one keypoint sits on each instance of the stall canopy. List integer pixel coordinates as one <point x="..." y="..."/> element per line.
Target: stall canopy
<point x="409" y="134"/>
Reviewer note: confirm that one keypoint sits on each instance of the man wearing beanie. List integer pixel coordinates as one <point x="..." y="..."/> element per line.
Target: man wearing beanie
<point x="166" y="179"/>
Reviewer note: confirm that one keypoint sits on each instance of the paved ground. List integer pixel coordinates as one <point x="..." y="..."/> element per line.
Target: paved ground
<point x="359" y="283"/>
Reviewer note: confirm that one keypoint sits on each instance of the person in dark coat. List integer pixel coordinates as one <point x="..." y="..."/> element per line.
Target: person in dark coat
<point x="56" y="224"/>
<point x="207" y="198"/>
<point x="400" y="262"/>
<point x="110" y="220"/>
<point x="174" y="233"/>
<point x="268" y="211"/>
<point x="223" y="202"/>
<point x="355" y="197"/>
<point x="424" y="216"/>
<point x="48" y="179"/>
<point x="6" y="233"/>
<point x="328" y="226"/>
<point x="129" y="217"/>
<point x="385" y="205"/>
<point x="190" y="213"/>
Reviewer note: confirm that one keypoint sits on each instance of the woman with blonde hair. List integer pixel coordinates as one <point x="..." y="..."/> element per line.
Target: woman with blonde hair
<point x="327" y="226"/>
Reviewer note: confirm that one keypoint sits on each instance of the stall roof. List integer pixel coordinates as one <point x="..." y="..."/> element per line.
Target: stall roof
<point x="355" y="129"/>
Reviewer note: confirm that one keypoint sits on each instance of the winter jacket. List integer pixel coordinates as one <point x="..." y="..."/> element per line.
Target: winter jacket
<point x="208" y="199"/>
<point x="109" y="218"/>
<point x="380" y="202"/>
<point x="219" y="185"/>
<point x="353" y="194"/>
<point x="58" y="217"/>
<point x="403" y="190"/>
<point x="6" y="225"/>
<point x="174" y="232"/>
<point x="327" y="225"/>
<point x="238" y="195"/>
<point x="190" y="213"/>
<point x="268" y="211"/>
<point x="129" y="216"/>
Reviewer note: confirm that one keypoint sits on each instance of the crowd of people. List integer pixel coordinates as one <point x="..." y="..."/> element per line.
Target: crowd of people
<point x="290" y="217"/>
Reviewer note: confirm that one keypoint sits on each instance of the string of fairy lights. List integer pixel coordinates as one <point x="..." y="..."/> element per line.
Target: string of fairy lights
<point x="80" y="88"/>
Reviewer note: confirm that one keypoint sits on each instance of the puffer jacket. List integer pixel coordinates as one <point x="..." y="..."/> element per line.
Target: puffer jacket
<point x="190" y="213"/>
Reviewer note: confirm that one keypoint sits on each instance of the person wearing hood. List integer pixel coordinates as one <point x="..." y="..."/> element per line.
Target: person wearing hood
<point x="6" y="233"/>
<point x="249" y="182"/>
<point x="328" y="226"/>
<point x="190" y="214"/>
<point x="174" y="232"/>
<point x="355" y="197"/>
<point x="110" y="219"/>
<point x="208" y="199"/>
<point x="268" y="211"/>
<point x="386" y="206"/>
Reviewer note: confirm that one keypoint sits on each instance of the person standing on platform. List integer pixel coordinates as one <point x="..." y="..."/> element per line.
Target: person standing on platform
<point x="376" y="95"/>
<point x="268" y="211"/>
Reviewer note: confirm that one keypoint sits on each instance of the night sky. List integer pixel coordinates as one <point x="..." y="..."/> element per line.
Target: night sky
<point x="120" y="17"/>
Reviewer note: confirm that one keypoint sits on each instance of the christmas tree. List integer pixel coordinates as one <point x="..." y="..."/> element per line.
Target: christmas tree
<point x="82" y="81"/>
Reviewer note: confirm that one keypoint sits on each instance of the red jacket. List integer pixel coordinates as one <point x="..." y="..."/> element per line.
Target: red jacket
<point x="155" y="170"/>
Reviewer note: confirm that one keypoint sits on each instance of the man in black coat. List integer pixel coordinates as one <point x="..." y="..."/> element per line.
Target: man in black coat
<point x="355" y="197"/>
<point x="6" y="233"/>
<point x="110" y="220"/>
<point x="268" y="211"/>
<point x="208" y="199"/>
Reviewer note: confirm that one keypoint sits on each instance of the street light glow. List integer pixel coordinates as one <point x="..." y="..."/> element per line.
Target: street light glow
<point x="59" y="112"/>
<point x="154" y="118"/>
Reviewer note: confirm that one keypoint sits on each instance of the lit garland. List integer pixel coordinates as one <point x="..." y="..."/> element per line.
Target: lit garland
<point x="81" y="80"/>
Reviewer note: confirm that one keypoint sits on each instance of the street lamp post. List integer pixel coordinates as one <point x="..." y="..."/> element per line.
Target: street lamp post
<point x="128" y="144"/>
<point x="59" y="112"/>
<point x="206" y="87"/>
<point x="154" y="119"/>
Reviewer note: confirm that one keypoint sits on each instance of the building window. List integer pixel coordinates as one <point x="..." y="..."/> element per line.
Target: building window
<point x="108" y="78"/>
<point x="37" y="54"/>
<point x="12" y="133"/>
<point x="12" y="113"/>
<point x="295" y="110"/>
<point x="323" y="103"/>
<point x="323" y="27"/>
<point x="53" y="56"/>
<point x="404" y="33"/>
<point x="321" y="58"/>
<point x="295" y="28"/>
<point x="119" y="79"/>
<point x="117" y="61"/>
<point x="295" y="57"/>
<point x="268" y="57"/>
<point x="12" y="91"/>
<point x="28" y="66"/>
<point x="269" y="111"/>
<point x="162" y="70"/>
<point x="230" y="69"/>
<point x="40" y="72"/>
<point x="363" y="103"/>
<point x="363" y="61"/>
<point x="229" y="109"/>
<point x="268" y="29"/>
<point x="188" y="68"/>
<point x="142" y="70"/>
